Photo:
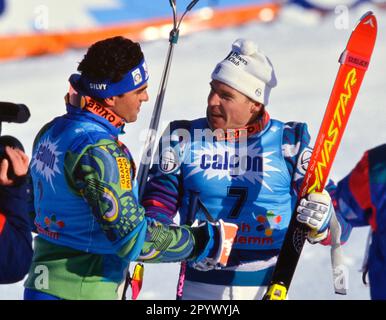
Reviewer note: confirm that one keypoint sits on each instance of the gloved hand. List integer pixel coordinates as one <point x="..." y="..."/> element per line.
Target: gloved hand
<point x="315" y="210"/>
<point x="214" y="243"/>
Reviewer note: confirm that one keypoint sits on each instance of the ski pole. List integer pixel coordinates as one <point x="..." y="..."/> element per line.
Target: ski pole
<point x="144" y="166"/>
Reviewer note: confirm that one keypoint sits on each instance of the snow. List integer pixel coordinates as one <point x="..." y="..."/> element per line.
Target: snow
<point x="305" y="59"/>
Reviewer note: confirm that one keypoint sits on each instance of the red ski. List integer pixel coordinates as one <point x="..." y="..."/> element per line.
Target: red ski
<point x="354" y="62"/>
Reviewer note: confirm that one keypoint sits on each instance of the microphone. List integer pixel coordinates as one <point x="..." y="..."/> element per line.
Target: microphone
<point x="13" y="112"/>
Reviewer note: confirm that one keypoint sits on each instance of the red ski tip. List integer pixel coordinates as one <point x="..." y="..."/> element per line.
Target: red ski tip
<point x="371" y="20"/>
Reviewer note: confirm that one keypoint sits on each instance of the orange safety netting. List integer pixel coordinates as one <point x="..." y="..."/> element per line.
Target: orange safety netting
<point x="20" y="46"/>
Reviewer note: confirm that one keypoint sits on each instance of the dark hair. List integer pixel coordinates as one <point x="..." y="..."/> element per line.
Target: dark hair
<point x="110" y="59"/>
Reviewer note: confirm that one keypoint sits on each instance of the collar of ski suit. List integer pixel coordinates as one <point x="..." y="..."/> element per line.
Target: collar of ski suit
<point x="87" y="105"/>
<point x="235" y="134"/>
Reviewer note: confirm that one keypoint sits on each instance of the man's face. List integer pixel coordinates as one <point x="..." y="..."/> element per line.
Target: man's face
<point x="128" y="105"/>
<point x="228" y="108"/>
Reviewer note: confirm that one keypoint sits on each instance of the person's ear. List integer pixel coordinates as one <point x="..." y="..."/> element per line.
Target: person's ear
<point x="109" y="102"/>
<point x="256" y="107"/>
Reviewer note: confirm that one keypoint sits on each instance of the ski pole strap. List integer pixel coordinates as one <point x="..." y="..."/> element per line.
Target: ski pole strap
<point x="354" y="60"/>
<point x="364" y="275"/>
<point x="339" y="270"/>
<point x="365" y="263"/>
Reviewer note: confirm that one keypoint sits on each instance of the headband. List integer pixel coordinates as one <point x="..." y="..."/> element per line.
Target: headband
<point x="103" y="89"/>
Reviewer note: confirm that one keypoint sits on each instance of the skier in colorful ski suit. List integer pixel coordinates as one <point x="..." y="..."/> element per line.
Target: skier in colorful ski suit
<point x="239" y="165"/>
<point x="89" y="222"/>
<point x="15" y="226"/>
<point x="360" y="198"/>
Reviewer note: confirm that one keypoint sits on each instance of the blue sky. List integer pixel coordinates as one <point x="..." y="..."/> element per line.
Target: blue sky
<point x="140" y="9"/>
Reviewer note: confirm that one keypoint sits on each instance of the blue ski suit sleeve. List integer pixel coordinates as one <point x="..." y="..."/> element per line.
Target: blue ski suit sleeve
<point x="360" y="195"/>
<point x="15" y="234"/>
<point x="111" y="192"/>
<point x="360" y="198"/>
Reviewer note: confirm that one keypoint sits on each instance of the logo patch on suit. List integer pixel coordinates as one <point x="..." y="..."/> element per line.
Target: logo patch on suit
<point x="225" y="162"/>
<point x="304" y="159"/>
<point x="124" y="173"/>
<point x="169" y="160"/>
<point x="45" y="160"/>
<point x="264" y="225"/>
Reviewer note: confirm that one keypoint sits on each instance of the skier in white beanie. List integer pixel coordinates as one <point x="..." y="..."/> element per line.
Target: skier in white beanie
<point x="248" y="73"/>
<point x="248" y="70"/>
<point x="211" y="180"/>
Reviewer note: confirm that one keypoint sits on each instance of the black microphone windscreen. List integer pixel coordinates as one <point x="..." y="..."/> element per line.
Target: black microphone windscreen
<point x="13" y="112"/>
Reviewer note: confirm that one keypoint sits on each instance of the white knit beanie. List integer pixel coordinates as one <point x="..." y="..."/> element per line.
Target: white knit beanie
<point x="247" y="70"/>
